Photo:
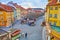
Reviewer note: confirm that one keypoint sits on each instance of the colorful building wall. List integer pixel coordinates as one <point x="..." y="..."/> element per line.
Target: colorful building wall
<point x="14" y="9"/>
<point x="15" y="15"/>
<point x="53" y="19"/>
<point x="7" y="15"/>
<point x="18" y="13"/>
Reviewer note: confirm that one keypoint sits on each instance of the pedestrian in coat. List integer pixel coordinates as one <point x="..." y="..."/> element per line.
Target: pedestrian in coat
<point x="25" y="34"/>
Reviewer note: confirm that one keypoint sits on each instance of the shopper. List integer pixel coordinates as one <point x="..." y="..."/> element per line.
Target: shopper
<point x="26" y="35"/>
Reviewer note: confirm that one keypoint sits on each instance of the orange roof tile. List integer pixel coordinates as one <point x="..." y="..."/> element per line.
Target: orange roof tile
<point x="5" y="7"/>
<point x="53" y="2"/>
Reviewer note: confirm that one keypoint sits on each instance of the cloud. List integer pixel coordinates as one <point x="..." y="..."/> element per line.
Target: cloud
<point x="28" y="5"/>
<point x="34" y="4"/>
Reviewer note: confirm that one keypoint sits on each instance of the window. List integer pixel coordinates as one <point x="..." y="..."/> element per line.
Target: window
<point x="50" y="23"/>
<point x="0" y="12"/>
<point x="54" y="23"/>
<point x="50" y="15"/>
<point x="1" y="18"/>
<point x="51" y="8"/>
<point x="2" y="22"/>
<point x="55" y="15"/>
<point x="56" y="8"/>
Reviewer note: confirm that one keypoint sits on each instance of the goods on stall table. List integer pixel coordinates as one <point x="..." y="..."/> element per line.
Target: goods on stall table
<point x="16" y="37"/>
<point x="15" y="34"/>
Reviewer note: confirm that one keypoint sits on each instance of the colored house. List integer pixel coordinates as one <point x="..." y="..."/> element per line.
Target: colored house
<point x="6" y="15"/>
<point x="18" y="10"/>
<point x="14" y="9"/>
<point x="53" y="18"/>
<point x="24" y="12"/>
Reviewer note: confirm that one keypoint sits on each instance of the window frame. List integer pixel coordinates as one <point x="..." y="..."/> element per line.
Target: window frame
<point x="55" y="23"/>
<point x="55" y="15"/>
<point x="50" y="23"/>
<point x="51" y="8"/>
<point x="50" y="15"/>
<point x="56" y="8"/>
<point x="1" y="12"/>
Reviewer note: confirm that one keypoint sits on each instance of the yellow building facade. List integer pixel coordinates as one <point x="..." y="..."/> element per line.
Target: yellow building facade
<point x="53" y="19"/>
<point x="6" y="16"/>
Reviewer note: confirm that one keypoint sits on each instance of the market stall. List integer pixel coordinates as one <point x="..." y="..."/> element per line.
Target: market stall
<point x="15" y="34"/>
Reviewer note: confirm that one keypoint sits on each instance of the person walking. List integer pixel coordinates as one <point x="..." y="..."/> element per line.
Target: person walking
<point x="25" y="35"/>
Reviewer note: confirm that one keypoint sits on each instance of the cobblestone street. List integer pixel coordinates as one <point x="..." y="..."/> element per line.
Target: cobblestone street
<point x="34" y="32"/>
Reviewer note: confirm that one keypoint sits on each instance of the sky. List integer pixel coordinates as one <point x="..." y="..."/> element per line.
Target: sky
<point x="28" y="3"/>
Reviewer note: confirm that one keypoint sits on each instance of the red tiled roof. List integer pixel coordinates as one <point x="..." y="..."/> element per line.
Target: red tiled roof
<point x="18" y="6"/>
<point x="53" y="2"/>
<point x="29" y="9"/>
<point x="15" y="4"/>
<point x="5" y="7"/>
<point x="22" y="8"/>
